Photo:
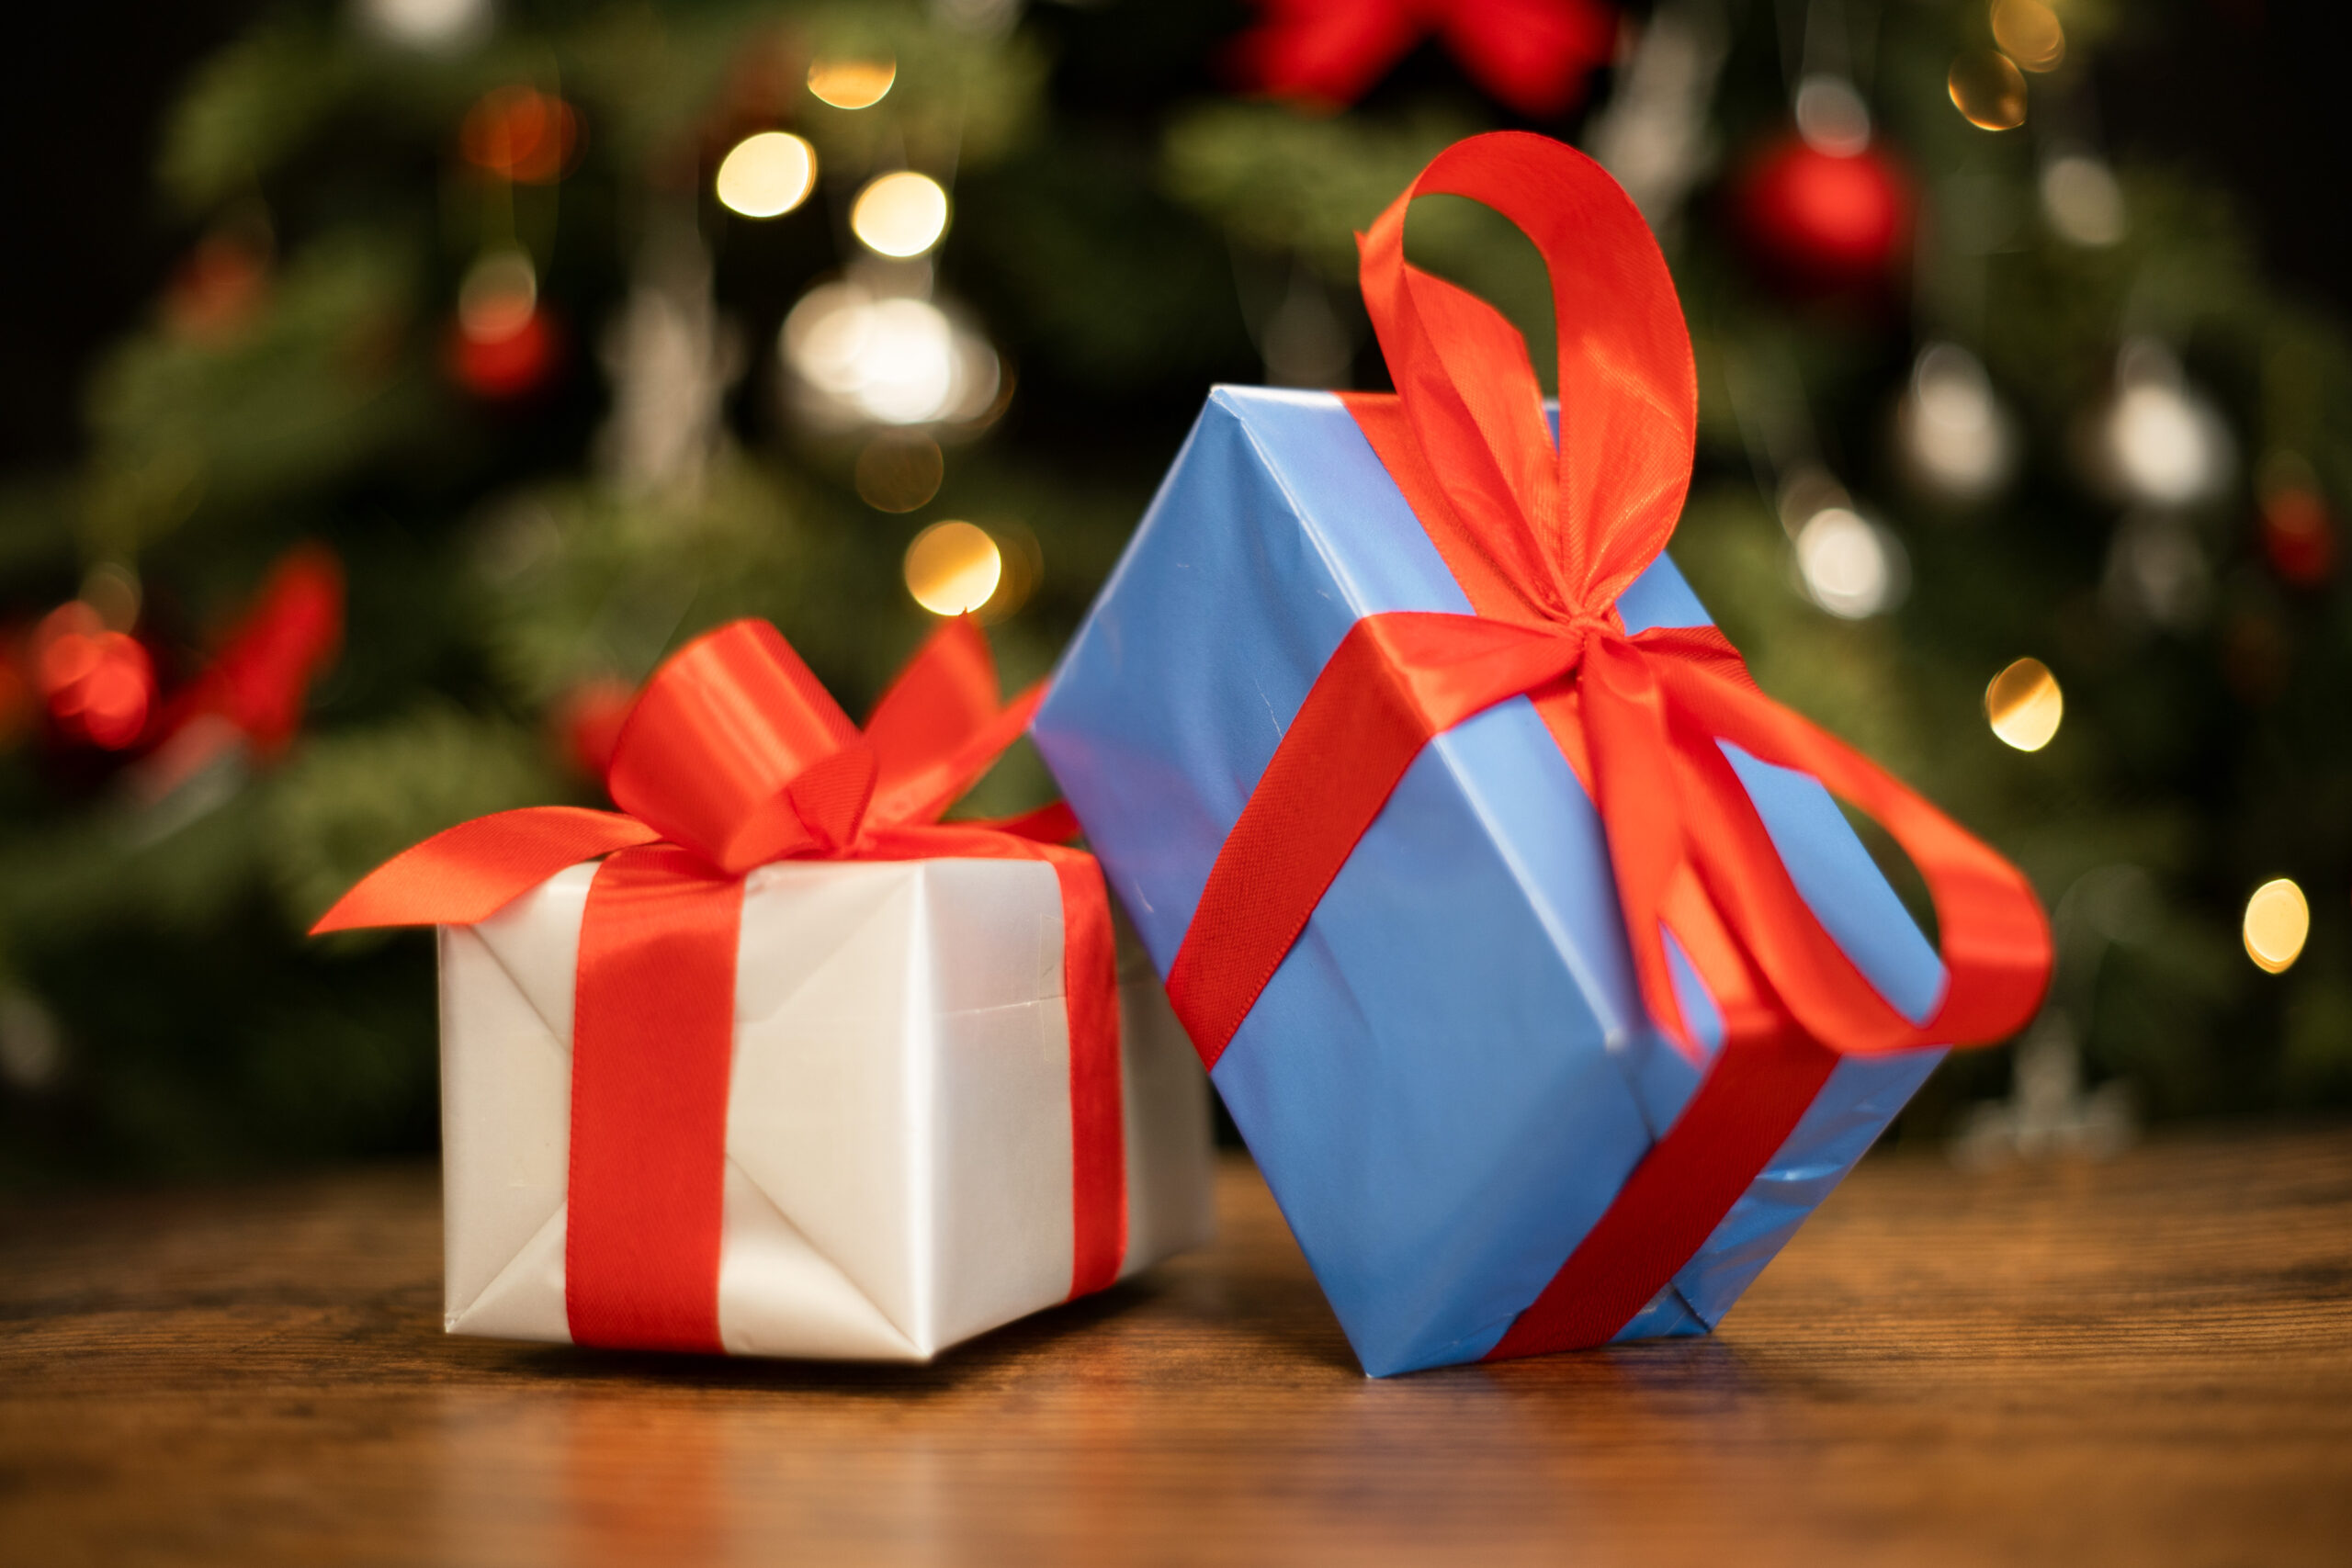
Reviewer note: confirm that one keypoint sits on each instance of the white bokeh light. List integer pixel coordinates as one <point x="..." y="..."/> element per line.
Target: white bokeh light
<point x="1955" y="434"/>
<point x="767" y="175"/>
<point x="1850" y="567"/>
<point x="892" y="360"/>
<point x="424" y="24"/>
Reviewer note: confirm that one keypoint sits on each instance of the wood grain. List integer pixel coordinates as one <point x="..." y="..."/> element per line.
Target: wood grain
<point x="2144" y="1362"/>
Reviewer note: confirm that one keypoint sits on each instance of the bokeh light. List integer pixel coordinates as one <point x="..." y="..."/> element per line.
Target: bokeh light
<point x="498" y="297"/>
<point x="2081" y="201"/>
<point x="953" y="568"/>
<point x="520" y="133"/>
<point x="2278" y="923"/>
<point x="1831" y="116"/>
<point x="900" y="214"/>
<point x="893" y="359"/>
<point x="1987" y="90"/>
<point x="767" y="175"/>
<point x="2025" y="705"/>
<point x="852" y="84"/>
<point x="1955" y="436"/>
<point x="98" y="684"/>
<point x="2163" y="443"/>
<point x="900" y="472"/>
<point x="2030" y="33"/>
<point x="424" y="24"/>
<point x="1852" y="567"/>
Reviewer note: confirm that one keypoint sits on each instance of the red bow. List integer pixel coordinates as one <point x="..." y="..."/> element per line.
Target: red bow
<point x="735" y="756"/>
<point x="1533" y="55"/>
<point x="1542" y="540"/>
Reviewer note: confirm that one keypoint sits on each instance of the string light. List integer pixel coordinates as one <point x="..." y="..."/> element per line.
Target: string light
<point x="2024" y="704"/>
<point x="2278" y="923"/>
<point x="766" y="175"/>
<point x="2030" y="33"/>
<point x="953" y="568"/>
<point x="1987" y="90"/>
<point x="902" y="214"/>
<point x="852" y="84"/>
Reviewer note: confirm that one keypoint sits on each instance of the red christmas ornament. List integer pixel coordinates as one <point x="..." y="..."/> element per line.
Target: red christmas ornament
<point x="1819" y="222"/>
<point x="1530" y="55"/>
<point x="587" y="721"/>
<point x="2298" y="536"/>
<point x="98" y="685"/>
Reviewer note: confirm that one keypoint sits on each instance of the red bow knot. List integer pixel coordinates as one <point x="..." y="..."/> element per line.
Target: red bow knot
<point x="735" y="756"/>
<point x="1543" y="537"/>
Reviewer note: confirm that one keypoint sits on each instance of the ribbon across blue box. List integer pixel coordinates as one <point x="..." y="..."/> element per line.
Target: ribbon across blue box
<point x="1451" y="1075"/>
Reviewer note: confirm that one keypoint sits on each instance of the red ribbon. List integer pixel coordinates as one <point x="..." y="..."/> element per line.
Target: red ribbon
<point x="1543" y="539"/>
<point x="735" y="756"/>
<point x="1534" y="55"/>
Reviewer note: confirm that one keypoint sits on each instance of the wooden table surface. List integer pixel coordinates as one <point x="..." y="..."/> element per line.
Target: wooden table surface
<point x="2144" y="1362"/>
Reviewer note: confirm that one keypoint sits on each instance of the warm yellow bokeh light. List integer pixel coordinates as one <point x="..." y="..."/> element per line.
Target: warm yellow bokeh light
<point x="852" y="84"/>
<point x="1987" y="89"/>
<point x="2030" y="33"/>
<point x="2277" y="920"/>
<point x="902" y="214"/>
<point x="2024" y="704"/>
<point x="767" y="175"/>
<point x="953" y="568"/>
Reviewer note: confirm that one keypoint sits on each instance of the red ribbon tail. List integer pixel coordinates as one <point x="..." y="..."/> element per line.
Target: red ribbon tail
<point x="469" y="872"/>
<point x="1750" y="1100"/>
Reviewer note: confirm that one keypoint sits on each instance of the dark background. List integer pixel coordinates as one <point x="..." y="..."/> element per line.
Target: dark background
<point x="2245" y="91"/>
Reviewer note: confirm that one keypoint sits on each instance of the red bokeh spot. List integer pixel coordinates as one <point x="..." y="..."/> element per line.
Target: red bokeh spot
<point x="2299" y="536"/>
<point x="1821" y="222"/>
<point x="521" y="134"/>
<point x="504" y="366"/>
<point x="98" y="685"/>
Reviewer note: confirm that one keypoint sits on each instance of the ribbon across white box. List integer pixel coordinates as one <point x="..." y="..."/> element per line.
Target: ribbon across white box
<point x="899" y="1143"/>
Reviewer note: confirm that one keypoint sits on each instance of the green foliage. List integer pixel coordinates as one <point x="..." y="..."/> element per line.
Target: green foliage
<point x="1120" y="231"/>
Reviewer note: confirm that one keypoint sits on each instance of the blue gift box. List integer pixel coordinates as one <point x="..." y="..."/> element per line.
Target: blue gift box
<point x="1452" y="1074"/>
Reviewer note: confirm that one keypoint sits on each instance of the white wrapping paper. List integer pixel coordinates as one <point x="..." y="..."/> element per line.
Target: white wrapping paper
<point x="899" y="1123"/>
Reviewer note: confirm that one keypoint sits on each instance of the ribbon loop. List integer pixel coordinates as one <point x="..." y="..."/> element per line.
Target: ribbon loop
<point x="1597" y="510"/>
<point x="723" y="731"/>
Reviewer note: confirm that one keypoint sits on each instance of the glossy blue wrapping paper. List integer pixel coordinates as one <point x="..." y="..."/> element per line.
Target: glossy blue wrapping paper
<point x="1451" y="1075"/>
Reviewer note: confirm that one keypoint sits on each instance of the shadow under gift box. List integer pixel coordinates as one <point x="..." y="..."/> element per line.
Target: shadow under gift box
<point x="1451" y="1075"/>
<point x="898" y="1157"/>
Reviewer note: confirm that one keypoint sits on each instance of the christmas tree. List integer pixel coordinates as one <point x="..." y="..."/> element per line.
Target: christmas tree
<point x="513" y="346"/>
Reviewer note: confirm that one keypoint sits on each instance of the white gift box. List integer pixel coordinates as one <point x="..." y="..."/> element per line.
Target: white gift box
<point x="898" y="1160"/>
